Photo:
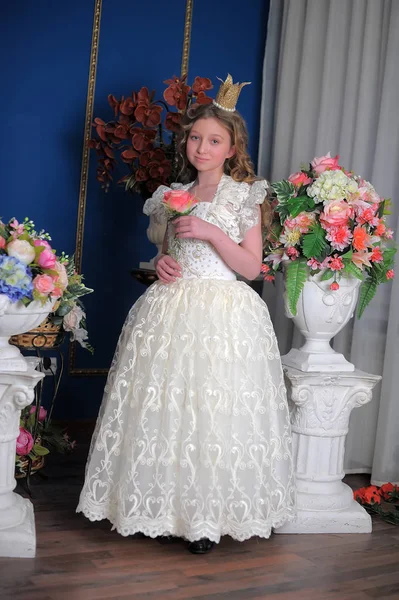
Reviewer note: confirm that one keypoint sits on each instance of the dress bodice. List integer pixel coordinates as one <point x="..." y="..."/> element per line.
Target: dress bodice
<point x="234" y="209"/>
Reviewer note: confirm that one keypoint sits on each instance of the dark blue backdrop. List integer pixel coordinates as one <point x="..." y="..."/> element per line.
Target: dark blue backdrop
<point x="45" y="48"/>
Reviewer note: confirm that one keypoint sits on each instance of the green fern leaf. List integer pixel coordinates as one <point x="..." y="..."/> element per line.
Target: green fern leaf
<point x="314" y="242"/>
<point x="295" y="276"/>
<point x="366" y="294"/>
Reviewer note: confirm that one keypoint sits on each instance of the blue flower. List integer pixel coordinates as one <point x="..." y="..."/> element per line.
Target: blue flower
<point x="15" y="279"/>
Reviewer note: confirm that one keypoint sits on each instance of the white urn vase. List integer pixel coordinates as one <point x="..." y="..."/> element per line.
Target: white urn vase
<point x="155" y="233"/>
<point x="16" y="318"/>
<point x="321" y="314"/>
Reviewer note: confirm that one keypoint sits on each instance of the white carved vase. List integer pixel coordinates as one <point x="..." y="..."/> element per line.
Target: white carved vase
<point x="155" y="233"/>
<point x="321" y="314"/>
<point x="16" y="318"/>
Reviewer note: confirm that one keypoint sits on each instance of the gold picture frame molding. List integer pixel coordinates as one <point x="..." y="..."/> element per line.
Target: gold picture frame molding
<point x="84" y="174"/>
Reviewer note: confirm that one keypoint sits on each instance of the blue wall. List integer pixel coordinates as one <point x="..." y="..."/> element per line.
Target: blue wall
<point x="45" y="48"/>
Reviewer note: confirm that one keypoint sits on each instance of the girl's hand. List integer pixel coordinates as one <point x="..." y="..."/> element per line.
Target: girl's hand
<point x="167" y="268"/>
<point x="193" y="227"/>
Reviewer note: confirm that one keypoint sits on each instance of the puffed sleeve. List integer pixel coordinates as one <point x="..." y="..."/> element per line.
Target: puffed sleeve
<point x="153" y="206"/>
<point x="249" y="214"/>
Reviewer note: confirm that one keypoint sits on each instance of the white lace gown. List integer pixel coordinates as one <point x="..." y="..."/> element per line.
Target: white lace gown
<point x="193" y="437"/>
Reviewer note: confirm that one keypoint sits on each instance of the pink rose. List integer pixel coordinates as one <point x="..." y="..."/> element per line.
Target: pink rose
<point x="299" y="178"/>
<point x="24" y="442"/>
<point x="322" y="163"/>
<point x="42" y="412"/>
<point x="179" y="201"/>
<point x="47" y="259"/>
<point x="336" y="213"/>
<point x="390" y="274"/>
<point x="43" y="284"/>
<point x="2" y="243"/>
<point x="42" y="243"/>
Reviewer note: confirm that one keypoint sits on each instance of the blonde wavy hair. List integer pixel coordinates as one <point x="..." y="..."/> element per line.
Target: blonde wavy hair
<point x="239" y="166"/>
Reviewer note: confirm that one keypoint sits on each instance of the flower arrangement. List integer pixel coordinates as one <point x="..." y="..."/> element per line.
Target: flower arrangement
<point x="30" y="270"/>
<point x="328" y="220"/>
<point x="143" y="134"/>
<point x="374" y="498"/>
<point x="37" y="435"/>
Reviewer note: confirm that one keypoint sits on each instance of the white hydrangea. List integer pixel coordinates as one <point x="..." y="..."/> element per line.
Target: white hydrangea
<point x="332" y="185"/>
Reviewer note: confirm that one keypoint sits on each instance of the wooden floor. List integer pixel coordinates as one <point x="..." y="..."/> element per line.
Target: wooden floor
<point x="79" y="560"/>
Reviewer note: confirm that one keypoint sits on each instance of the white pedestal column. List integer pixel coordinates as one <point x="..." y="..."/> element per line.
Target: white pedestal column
<point x="17" y="523"/>
<point x="321" y="404"/>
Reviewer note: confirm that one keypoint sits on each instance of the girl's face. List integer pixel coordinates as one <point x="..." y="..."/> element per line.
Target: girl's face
<point x="208" y="145"/>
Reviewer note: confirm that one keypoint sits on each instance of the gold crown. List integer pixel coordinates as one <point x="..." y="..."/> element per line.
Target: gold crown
<point x="228" y="93"/>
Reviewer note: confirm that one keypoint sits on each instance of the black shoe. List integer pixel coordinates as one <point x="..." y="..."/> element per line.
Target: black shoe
<point x="201" y="546"/>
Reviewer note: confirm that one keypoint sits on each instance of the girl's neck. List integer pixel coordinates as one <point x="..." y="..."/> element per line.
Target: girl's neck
<point x="208" y="179"/>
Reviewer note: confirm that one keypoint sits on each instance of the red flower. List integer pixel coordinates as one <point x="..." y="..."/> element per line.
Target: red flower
<point x="121" y="132"/>
<point x="334" y="286"/>
<point x="160" y="170"/>
<point x="129" y="155"/>
<point x="114" y="103"/>
<point x="371" y="495"/>
<point x="100" y="128"/>
<point x="152" y="155"/>
<point x="390" y="274"/>
<point x="376" y="255"/>
<point x="128" y="106"/>
<point x="143" y="138"/>
<point x="336" y="263"/>
<point x="201" y="84"/>
<point x="172" y="121"/>
<point x="202" y="98"/>
<point x="141" y="174"/>
<point x="264" y="268"/>
<point x="177" y="92"/>
<point x="387" y="489"/>
<point x="269" y="278"/>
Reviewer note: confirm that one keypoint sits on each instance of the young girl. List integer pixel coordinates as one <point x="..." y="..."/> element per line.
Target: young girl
<point x="193" y="437"/>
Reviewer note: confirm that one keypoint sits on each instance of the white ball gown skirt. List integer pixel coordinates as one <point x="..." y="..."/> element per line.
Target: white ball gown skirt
<point x="193" y="437"/>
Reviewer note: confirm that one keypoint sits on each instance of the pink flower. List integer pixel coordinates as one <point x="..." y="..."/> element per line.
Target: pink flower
<point x="61" y="279"/>
<point x="18" y="229"/>
<point x="24" y="442"/>
<point x="381" y="228"/>
<point x="368" y="193"/>
<point x="326" y="263"/>
<point x="179" y="201"/>
<point x="42" y="412"/>
<point x="390" y="274"/>
<point x="313" y="264"/>
<point x="299" y="179"/>
<point x="361" y="259"/>
<point x="42" y="243"/>
<point x="43" y="284"/>
<point x="336" y="264"/>
<point x="304" y="221"/>
<point x="376" y="255"/>
<point x="337" y="212"/>
<point x="367" y="216"/>
<point x="334" y="286"/>
<point x="292" y="252"/>
<point x="2" y="243"/>
<point x="322" y="163"/>
<point x="47" y="259"/>
<point x="339" y="237"/>
<point x="264" y="268"/>
<point x="388" y="234"/>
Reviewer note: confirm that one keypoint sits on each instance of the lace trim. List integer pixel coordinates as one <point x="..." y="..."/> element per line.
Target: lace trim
<point x="261" y="529"/>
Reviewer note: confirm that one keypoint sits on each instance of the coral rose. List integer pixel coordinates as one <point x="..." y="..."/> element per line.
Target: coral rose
<point x="43" y="284"/>
<point x="336" y="212"/>
<point x="179" y="201"/>
<point x="299" y="178"/>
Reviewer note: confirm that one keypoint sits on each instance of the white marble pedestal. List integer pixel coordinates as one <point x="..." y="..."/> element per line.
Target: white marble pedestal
<point x="321" y="404"/>
<point x="17" y="523"/>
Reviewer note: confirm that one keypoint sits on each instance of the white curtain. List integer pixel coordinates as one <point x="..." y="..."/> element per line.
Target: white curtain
<point x="331" y="83"/>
